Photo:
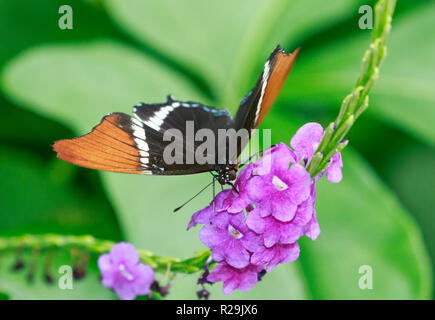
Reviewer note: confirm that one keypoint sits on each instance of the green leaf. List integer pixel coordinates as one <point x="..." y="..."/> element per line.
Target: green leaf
<point x="403" y="95"/>
<point x="35" y="201"/>
<point x="225" y="40"/>
<point x="36" y="22"/>
<point x="412" y="185"/>
<point x="362" y="223"/>
<point x="122" y="77"/>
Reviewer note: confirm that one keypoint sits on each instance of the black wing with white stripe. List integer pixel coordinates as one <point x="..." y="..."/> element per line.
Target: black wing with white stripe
<point x="158" y="119"/>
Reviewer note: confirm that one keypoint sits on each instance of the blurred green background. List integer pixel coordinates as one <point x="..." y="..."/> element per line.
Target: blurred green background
<point x="59" y="83"/>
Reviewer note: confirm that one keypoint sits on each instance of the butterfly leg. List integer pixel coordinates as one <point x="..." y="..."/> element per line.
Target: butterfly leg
<point x="233" y="186"/>
<point x="214" y="189"/>
<point x="214" y="194"/>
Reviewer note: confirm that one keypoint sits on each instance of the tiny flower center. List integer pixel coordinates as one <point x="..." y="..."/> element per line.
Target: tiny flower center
<point x="234" y="232"/>
<point x="279" y="184"/>
<point x="124" y="272"/>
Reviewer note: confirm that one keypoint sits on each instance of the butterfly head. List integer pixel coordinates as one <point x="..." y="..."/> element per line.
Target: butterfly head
<point x="226" y="174"/>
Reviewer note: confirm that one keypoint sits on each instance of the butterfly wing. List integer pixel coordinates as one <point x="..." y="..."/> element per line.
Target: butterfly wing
<point x="110" y="146"/>
<point x="255" y="105"/>
<point x="189" y="118"/>
<point x="121" y="143"/>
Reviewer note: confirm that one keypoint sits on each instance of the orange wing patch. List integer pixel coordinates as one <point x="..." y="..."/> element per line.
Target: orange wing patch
<point x="107" y="147"/>
<point x="281" y="64"/>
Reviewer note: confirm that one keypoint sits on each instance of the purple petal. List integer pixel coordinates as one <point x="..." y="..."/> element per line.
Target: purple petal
<point x="312" y="229"/>
<point x="290" y="233"/>
<point x="105" y="262"/>
<point x="260" y="188"/>
<point x="240" y="203"/>
<point x="251" y="241"/>
<point x="200" y="217"/>
<point x="236" y="220"/>
<point x="218" y="253"/>
<point x="306" y="140"/>
<point x="143" y="278"/>
<point x="125" y="291"/>
<point x="264" y="208"/>
<point x="282" y="157"/>
<point x="263" y="166"/>
<point x="248" y="280"/>
<point x="236" y="255"/>
<point x="219" y="201"/>
<point x="283" y="210"/>
<point x="272" y="233"/>
<point x="212" y="236"/>
<point x="244" y="176"/>
<point x="333" y="172"/>
<point x="255" y="222"/>
<point x="304" y="212"/>
<point x="108" y="270"/>
<point x="230" y="285"/>
<point x="299" y="181"/>
<point x="276" y="231"/>
<point x="219" y="273"/>
<point x="124" y="252"/>
<point x="223" y="219"/>
<point x="242" y="279"/>
<point x="263" y="256"/>
<point x="283" y="254"/>
<point x="276" y="158"/>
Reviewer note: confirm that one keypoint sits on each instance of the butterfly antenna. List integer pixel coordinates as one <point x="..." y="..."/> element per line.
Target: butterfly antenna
<point x="176" y="209"/>
<point x="244" y="163"/>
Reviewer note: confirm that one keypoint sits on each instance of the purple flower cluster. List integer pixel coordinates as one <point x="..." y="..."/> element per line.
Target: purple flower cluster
<point x="122" y="272"/>
<point x="257" y="226"/>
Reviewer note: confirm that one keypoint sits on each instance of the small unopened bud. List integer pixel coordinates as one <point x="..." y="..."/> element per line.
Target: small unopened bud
<point x="47" y="267"/>
<point x="18" y="265"/>
<point x="203" y="279"/>
<point x="315" y="162"/>
<point x="33" y="264"/>
<point x="163" y="291"/>
<point x="30" y="277"/>
<point x="203" y="294"/>
<point x="78" y="273"/>
<point x="326" y="137"/>
<point x="343" y="109"/>
<point x="354" y="99"/>
<point x="48" y="278"/>
<point x="80" y="263"/>
<point x="261" y="274"/>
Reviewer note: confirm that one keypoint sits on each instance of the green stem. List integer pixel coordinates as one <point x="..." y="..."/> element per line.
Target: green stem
<point x="97" y="246"/>
<point x="357" y="101"/>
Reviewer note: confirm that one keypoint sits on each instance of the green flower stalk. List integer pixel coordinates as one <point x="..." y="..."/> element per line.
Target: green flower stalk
<point x="355" y="103"/>
<point x="97" y="246"/>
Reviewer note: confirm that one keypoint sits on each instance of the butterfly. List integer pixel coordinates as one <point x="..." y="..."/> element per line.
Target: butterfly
<point x="121" y="143"/>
